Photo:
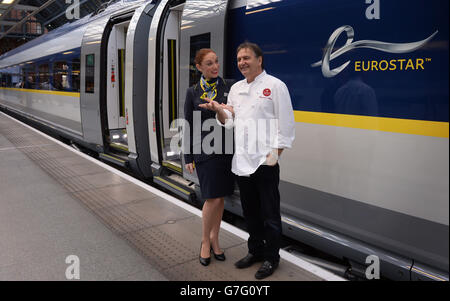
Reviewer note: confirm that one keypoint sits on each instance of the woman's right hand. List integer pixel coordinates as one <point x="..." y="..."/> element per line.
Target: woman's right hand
<point x="211" y="105"/>
<point x="190" y="167"/>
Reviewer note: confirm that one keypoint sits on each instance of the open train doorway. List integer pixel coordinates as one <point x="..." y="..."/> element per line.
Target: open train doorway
<point x="171" y="157"/>
<point x="116" y="137"/>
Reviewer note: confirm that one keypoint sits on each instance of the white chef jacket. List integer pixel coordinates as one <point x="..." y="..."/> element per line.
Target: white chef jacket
<point x="263" y="121"/>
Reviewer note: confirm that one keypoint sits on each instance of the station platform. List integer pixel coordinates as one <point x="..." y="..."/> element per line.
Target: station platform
<point x="57" y="204"/>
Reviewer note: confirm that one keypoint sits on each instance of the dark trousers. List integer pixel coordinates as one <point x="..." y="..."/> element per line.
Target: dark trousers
<point x="260" y="200"/>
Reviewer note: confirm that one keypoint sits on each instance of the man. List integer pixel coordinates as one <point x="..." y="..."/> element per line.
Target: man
<point x="259" y="101"/>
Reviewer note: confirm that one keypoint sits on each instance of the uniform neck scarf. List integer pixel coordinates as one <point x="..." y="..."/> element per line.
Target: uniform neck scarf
<point x="209" y="89"/>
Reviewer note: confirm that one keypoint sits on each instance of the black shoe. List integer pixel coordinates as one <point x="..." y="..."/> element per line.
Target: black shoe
<point x="220" y="257"/>
<point x="248" y="261"/>
<point x="203" y="261"/>
<point x="266" y="270"/>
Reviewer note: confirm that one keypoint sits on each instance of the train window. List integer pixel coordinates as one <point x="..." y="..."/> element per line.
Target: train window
<point x="197" y="42"/>
<point x="29" y="76"/>
<point x="3" y="80"/>
<point x="10" y="80"/>
<point x="61" y="76"/>
<point x="90" y="73"/>
<point x="44" y="77"/>
<point x="76" y="75"/>
<point x="14" y="78"/>
<point x="10" y="77"/>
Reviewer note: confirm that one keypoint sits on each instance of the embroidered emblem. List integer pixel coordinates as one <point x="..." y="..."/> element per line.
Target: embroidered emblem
<point x="267" y="92"/>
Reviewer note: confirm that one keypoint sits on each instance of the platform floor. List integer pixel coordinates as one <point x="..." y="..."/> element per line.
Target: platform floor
<point x="55" y="202"/>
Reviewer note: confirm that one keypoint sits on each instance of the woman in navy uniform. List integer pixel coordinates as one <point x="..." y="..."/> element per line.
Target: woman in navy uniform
<point x="213" y="170"/>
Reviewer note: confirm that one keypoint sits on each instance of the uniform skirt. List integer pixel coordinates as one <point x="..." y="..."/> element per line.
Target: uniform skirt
<point x="215" y="177"/>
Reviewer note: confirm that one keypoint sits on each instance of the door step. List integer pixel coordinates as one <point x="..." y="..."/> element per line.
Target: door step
<point x="183" y="191"/>
<point x="115" y="159"/>
<point x="173" y="166"/>
<point x="120" y="147"/>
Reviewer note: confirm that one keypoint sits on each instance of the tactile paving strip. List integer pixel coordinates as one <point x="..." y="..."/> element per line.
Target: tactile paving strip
<point x="122" y="220"/>
<point x="160" y="248"/>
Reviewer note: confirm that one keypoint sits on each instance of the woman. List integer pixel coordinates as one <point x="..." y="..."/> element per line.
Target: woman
<point x="213" y="170"/>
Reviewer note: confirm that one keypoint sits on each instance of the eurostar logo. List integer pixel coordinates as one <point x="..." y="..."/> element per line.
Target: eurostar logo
<point x="329" y="55"/>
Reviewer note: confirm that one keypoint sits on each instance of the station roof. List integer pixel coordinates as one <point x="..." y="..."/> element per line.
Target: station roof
<point x="24" y="20"/>
<point x="49" y="13"/>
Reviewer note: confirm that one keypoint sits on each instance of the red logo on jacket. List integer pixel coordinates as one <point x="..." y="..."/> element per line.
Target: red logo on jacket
<point x="267" y="92"/>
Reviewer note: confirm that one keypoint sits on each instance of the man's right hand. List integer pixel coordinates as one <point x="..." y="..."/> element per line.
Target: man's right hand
<point x="190" y="168"/>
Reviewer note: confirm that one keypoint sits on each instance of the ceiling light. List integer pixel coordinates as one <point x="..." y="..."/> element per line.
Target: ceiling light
<point x="7" y="1"/>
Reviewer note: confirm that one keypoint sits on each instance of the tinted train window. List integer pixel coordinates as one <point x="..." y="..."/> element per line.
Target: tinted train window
<point x="14" y="78"/>
<point x="44" y="77"/>
<point x="29" y="76"/>
<point x="11" y="78"/>
<point x="90" y="73"/>
<point x="197" y="43"/>
<point x="76" y="75"/>
<point x="2" y="80"/>
<point x="61" y="76"/>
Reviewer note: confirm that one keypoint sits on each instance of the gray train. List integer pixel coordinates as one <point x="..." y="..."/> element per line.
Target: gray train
<point x="369" y="170"/>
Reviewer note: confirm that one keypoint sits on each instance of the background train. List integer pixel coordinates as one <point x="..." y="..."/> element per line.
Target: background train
<point x="369" y="170"/>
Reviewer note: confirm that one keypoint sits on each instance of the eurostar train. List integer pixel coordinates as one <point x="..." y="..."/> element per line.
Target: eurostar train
<point x="367" y="176"/>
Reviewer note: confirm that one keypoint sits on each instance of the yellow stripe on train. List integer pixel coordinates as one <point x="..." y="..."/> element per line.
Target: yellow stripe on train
<point x="63" y="93"/>
<point x="394" y="125"/>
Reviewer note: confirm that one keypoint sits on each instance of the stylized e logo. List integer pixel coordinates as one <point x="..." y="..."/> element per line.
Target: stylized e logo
<point x="329" y="55"/>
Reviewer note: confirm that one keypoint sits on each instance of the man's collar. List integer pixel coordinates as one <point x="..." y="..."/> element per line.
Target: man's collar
<point x="260" y="76"/>
<point x="263" y="73"/>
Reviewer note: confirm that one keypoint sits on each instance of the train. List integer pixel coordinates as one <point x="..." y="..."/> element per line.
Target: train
<point x="368" y="172"/>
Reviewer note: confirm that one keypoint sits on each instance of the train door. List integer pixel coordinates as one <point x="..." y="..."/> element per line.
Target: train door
<point x="117" y="137"/>
<point x="178" y="30"/>
<point x="203" y="26"/>
<point x="171" y="157"/>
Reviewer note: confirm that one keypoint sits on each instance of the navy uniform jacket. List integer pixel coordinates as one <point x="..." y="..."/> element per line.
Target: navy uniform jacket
<point x="191" y="104"/>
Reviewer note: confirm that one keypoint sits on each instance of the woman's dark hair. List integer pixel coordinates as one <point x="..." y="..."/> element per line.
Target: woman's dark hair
<point x="255" y="48"/>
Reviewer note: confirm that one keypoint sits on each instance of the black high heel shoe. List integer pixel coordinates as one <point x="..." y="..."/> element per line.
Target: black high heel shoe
<point x="220" y="257"/>
<point x="204" y="261"/>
